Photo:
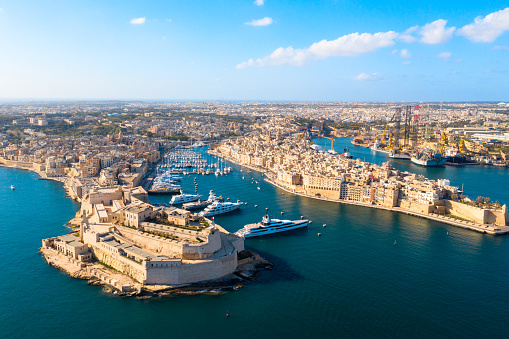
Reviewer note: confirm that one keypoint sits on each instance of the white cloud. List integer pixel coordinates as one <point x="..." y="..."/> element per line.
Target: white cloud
<point x="436" y="32"/>
<point x="487" y="29"/>
<point x="394" y="52"/>
<point x="347" y="45"/>
<point x="353" y="44"/>
<point x="138" y="21"/>
<point x="407" y="35"/>
<point x="444" y="55"/>
<point x="406" y="62"/>
<point x="405" y="53"/>
<point x="500" y="47"/>
<point x="260" y="22"/>
<point x="495" y="71"/>
<point x="365" y="77"/>
<point x="259" y="2"/>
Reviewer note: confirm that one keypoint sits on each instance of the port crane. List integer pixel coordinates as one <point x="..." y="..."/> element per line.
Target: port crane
<point x="384" y="139"/>
<point x="331" y="142"/>
<point x="461" y="147"/>
<point x="443" y="142"/>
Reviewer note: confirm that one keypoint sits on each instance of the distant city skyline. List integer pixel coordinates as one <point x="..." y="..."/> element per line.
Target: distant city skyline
<point x="263" y="50"/>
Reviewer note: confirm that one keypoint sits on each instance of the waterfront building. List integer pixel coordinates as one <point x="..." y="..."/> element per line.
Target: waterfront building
<point x="293" y="164"/>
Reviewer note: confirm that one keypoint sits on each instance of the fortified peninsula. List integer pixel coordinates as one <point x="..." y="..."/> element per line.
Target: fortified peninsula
<point x="290" y="162"/>
<point x="131" y="245"/>
<point x="119" y="239"/>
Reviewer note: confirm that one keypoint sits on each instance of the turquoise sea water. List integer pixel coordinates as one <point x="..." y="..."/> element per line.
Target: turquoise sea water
<point x="350" y="282"/>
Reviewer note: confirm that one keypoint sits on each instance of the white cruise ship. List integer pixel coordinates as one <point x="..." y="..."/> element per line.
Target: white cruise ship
<point x="219" y="208"/>
<point x="270" y="226"/>
<point x="182" y="198"/>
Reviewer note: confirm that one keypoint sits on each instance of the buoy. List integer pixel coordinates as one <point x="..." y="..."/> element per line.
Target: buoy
<point x="447" y="232"/>
<point x="319" y="234"/>
<point x="256" y="205"/>
<point x="302" y="217"/>
<point x="394" y="242"/>
<point x="282" y="213"/>
<point x="310" y="221"/>
<point x="282" y="193"/>
<point x="324" y="225"/>
<point x="227" y="313"/>
<point x="245" y="203"/>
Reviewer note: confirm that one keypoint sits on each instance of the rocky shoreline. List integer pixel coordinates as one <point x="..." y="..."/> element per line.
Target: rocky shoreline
<point x="248" y="271"/>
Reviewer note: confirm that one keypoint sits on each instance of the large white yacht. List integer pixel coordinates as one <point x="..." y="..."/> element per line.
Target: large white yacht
<point x="182" y="198"/>
<point x="200" y="204"/>
<point x="270" y="226"/>
<point x="219" y="208"/>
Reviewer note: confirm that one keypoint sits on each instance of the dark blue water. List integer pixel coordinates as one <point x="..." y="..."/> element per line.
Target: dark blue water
<point x="350" y="282"/>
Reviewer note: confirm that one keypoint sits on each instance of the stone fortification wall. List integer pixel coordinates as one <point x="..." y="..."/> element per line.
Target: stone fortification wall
<point x="188" y="273"/>
<point x="170" y="273"/>
<point x="464" y="211"/>
<point x="498" y="217"/>
<point x="416" y="206"/>
<point x="16" y="163"/>
<point x="208" y="270"/>
<point x="152" y="243"/>
<point x="121" y="264"/>
<point x="179" y="232"/>
<point x="330" y="194"/>
<point x="480" y="215"/>
<point x="211" y="244"/>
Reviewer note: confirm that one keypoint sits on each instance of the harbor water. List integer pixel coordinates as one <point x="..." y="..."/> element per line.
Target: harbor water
<point x="352" y="281"/>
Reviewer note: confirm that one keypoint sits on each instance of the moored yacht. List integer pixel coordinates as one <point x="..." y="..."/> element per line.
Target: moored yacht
<point x="219" y="208"/>
<point x="270" y="226"/>
<point x="200" y="204"/>
<point x="182" y="198"/>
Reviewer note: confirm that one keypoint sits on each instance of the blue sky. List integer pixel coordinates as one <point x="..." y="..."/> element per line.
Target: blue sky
<point x="255" y="50"/>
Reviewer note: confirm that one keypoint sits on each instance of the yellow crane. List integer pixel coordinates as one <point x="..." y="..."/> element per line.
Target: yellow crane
<point x="384" y="139"/>
<point x="462" y="147"/>
<point x="443" y="142"/>
<point x="331" y="142"/>
<point x="389" y="147"/>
